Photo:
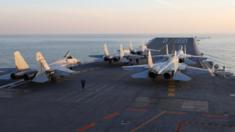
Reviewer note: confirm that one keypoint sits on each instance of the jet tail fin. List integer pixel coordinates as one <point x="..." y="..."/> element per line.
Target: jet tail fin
<point x="42" y="61"/>
<point x="150" y="60"/>
<point x="106" y="51"/>
<point x="130" y="46"/>
<point x="143" y="47"/>
<point x="185" y="50"/>
<point x="167" y="50"/>
<point x="121" y="51"/>
<point x="20" y="62"/>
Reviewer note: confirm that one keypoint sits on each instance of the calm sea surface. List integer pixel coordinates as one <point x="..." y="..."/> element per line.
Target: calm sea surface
<point x="220" y="48"/>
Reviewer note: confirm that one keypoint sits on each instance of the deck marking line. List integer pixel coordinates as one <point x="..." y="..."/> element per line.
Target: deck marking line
<point x="137" y="109"/>
<point x="13" y="84"/>
<point x="212" y="116"/>
<point x="111" y="116"/>
<point x="93" y="124"/>
<point x="86" y="127"/>
<point x="232" y="95"/>
<point x="176" y="113"/>
<point x="171" y="88"/>
<point x="148" y="121"/>
<point x="180" y="125"/>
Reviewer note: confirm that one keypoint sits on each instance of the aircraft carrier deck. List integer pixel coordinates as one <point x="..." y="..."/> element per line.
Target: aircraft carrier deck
<point x="114" y="102"/>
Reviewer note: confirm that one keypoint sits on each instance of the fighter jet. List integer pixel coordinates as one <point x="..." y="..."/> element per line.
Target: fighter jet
<point x="55" y="70"/>
<point x="169" y="69"/>
<point x="122" y="57"/>
<point x="187" y="58"/>
<point x="69" y="61"/>
<point x="142" y="50"/>
<point x="183" y="56"/>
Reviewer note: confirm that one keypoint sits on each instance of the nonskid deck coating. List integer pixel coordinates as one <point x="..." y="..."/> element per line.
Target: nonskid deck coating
<point x="112" y="101"/>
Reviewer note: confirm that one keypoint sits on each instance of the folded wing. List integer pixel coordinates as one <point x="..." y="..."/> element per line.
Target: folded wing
<point x="196" y="71"/>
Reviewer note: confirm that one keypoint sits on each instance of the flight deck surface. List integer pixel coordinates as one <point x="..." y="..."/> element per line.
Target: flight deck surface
<point x="114" y="102"/>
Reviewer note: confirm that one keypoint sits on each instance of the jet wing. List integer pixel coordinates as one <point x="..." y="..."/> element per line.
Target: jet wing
<point x="64" y="72"/>
<point x="195" y="56"/>
<point x="5" y="77"/>
<point x="8" y="72"/>
<point x="154" y="50"/>
<point x="97" y="56"/>
<point x="189" y="61"/>
<point x="135" y="67"/>
<point x="61" y="70"/>
<point x="132" y="56"/>
<point x="160" y="56"/>
<point x="196" y="71"/>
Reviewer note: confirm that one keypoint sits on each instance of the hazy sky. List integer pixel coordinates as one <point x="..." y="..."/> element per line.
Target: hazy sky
<point x="117" y="16"/>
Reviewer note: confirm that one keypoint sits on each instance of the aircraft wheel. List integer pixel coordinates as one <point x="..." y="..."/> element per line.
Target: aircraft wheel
<point x="26" y="77"/>
<point x="137" y="61"/>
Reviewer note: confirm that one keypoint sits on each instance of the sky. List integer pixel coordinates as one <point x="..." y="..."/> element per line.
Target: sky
<point x="116" y="16"/>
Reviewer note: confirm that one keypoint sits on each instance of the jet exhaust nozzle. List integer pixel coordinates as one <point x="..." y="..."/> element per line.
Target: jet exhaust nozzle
<point x="167" y="76"/>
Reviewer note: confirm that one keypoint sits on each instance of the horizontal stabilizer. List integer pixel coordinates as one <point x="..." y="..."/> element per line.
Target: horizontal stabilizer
<point x="5" y="77"/>
<point x="124" y="60"/>
<point x="135" y="68"/>
<point x="141" y="75"/>
<point x="181" y="77"/>
<point x="41" y="78"/>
